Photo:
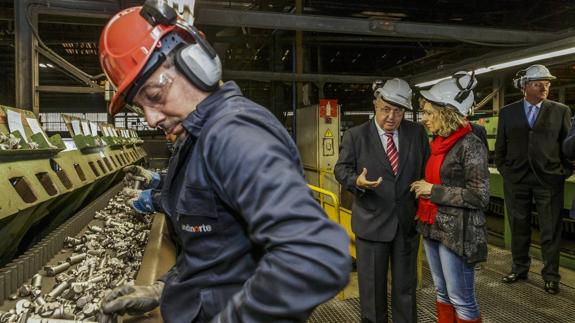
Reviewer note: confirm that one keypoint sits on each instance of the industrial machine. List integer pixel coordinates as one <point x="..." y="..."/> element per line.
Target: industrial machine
<point x="317" y="137"/>
<point x="47" y="180"/>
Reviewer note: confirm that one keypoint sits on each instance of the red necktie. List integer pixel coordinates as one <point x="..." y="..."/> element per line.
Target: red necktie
<point x="392" y="153"/>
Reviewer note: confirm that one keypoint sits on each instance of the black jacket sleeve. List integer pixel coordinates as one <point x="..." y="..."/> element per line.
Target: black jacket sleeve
<point x="481" y="133"/>
<point x="345" y="168"/>
<point x="501" y="144"/>
<point x="569" y="143"/>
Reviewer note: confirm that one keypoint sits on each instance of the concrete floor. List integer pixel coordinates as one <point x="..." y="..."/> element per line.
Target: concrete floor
<point x="523" y="302"/>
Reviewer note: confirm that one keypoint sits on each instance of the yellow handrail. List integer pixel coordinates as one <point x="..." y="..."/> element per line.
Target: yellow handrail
<point x="331" y="195"/>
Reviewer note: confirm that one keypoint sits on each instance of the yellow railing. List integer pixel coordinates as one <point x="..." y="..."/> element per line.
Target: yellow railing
<point x="334" y="216"/>
<point x="342" y="216"/>
<point x="336" y="213"/>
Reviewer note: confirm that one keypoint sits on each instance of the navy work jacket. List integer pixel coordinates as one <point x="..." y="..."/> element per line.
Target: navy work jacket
<point x="255" y="245"/>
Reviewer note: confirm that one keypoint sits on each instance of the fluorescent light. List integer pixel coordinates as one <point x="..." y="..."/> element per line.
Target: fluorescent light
<point x="50" y="65"/>
<point x="500" y="66"/>
<point x="42" y="65"/>
<point x="526" y="60"/>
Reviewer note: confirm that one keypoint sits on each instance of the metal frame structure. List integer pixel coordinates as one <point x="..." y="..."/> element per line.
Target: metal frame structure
<point x="26" y="14"/>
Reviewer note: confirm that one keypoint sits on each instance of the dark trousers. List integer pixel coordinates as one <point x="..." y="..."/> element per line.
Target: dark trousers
<point x="548" y="203"/>
<point x="373" y="259"/>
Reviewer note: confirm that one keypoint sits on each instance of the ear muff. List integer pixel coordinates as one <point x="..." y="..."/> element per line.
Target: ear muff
<point x="519" y="80"/>
<point x="463" y="91"/>
<point x="377" y="84"/>
<point x="199" y="62"/>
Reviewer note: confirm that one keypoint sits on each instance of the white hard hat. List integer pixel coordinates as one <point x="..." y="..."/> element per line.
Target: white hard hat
<point x="456" y="91"/>
<point x="394" y="91"/>
<point x="532" y="73"/>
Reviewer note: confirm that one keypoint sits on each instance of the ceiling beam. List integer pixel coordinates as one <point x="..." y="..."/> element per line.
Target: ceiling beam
<point x="294" y="77"/>
<point x="501" y="57"/>
<point x="78" y="8"/>
<point x="68" y="89"/>
<point x="372" y="27"/>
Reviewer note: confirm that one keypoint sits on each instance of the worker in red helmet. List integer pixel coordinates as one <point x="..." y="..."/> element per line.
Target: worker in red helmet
<point x="254" y="245"/>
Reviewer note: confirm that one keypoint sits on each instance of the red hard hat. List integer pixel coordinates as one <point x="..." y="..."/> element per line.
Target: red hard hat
<point x="126" y="44"/>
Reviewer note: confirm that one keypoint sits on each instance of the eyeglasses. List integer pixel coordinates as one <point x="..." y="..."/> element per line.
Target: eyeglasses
<point x="389" y="111"/>
<point x="153" y="94"/>
<point x="540" y="84"/>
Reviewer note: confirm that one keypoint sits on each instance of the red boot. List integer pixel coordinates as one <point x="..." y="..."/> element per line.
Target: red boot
<point x="445" y="313"/>
<point x="477" y="320"/>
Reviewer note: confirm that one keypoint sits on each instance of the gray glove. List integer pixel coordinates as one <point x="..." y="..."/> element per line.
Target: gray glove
<point x="151" y="179"/>
<point x="134" y="300"/>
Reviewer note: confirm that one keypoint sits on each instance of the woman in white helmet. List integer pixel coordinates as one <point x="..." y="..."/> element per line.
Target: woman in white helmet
<point x="452" y="198"/>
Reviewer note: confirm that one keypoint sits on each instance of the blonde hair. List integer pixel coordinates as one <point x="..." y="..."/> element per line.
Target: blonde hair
<point x="449" y="119"/>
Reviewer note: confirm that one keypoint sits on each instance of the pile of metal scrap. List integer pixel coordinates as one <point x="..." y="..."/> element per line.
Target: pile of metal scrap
<point x="106" y="255"/>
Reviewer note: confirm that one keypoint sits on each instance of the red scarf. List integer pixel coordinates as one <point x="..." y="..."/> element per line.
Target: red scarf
<point x="440" y="146"/>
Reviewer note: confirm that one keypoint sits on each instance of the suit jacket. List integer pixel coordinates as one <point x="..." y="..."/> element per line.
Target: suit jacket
<point x="569" y="143"/>
<point x="480" y="132"/>
<point x="377" y="213"/>
<point x="519" y="149"/>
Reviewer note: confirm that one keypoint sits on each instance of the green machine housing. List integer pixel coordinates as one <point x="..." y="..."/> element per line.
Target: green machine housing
<point x="41" y="188"/>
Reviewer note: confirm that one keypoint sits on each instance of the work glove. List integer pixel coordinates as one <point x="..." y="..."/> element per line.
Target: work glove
<point x="130" y="193"/>
<point x="151" y="179"/>
<point x="134" y="300"/>
<point x="142" y="203"/>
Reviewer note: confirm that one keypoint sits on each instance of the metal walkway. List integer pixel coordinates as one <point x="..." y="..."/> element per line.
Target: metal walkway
<point x="522" y="302"/>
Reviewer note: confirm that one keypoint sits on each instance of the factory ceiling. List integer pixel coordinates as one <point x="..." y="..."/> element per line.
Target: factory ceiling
<point x="346" y="44"/>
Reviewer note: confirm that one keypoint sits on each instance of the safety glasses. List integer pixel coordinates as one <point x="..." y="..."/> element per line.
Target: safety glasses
<point x="154" y="93"/>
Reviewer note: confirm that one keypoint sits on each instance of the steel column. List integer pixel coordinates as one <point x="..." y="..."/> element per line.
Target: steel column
<point x="499" y="97"/>
<point x="299" y="57"/>
<point x="26" y="58"/>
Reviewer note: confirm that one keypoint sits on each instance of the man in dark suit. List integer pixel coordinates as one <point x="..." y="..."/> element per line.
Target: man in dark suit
<point x="378" y="161"/>
<point x="528" y="156"/>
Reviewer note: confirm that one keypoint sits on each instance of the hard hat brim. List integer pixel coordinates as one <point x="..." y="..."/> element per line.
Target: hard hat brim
<point x="545" y="78"/>
<point x="117" y="104"/>
<point x="426" y="94"/>
<point x="393" y="102"/>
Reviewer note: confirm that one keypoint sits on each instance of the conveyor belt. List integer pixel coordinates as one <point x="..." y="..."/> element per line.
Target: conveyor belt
<point x="24" y="267"/>
<point x="105" y="255"/>
<point x="523" y="302"/>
